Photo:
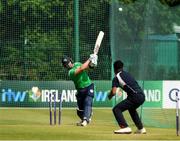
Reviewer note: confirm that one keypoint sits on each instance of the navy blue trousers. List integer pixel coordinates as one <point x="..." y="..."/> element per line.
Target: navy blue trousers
<point x="84" y="102"/>
<point x="130" y="104"/>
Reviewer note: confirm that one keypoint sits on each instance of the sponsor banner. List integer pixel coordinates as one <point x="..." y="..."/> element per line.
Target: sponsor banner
<point x="170" y="89"/>
<point x="36" y="93"/>
<point x="153" y="93"/>
<point x="101" y="96"/>
<point x="22" y="94"/>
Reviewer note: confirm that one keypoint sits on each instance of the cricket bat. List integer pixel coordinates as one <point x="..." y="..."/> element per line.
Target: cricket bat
<point x="98" y="42"/>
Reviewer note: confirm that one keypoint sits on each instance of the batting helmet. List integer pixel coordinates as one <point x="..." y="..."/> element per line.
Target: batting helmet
<point x="66" y="60"/>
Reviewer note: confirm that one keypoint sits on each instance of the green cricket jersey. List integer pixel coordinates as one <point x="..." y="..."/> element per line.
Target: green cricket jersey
<point x="80" y="80"/>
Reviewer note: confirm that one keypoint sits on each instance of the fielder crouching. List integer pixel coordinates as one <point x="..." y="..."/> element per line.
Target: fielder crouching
<point x="135" y="98"/>
<point x="84" y="86"/>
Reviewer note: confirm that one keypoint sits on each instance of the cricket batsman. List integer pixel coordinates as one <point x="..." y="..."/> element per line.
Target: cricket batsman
<point x="83" y="84"/>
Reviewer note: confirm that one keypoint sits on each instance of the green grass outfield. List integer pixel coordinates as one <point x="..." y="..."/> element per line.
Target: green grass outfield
<point x="33" y="124"/>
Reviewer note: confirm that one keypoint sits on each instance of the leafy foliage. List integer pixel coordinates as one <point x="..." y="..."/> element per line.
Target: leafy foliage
<point x="35" y="34"/>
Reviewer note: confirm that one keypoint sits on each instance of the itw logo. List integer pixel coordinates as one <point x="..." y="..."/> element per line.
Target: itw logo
<point x="12" y="96"/>
<point x="101" y="96"/>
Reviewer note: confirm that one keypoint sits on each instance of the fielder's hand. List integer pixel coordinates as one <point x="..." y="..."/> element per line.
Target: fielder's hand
<point x="110" y="96"/>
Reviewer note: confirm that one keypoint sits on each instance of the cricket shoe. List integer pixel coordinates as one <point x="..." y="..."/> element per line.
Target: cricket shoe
<point x="126" y="130"/>
<point x="140" y="131"/>
<point x="84" y="123"/>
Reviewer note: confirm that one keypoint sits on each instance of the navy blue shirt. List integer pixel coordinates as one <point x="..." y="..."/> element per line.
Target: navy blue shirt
<point x="130" y="82"/>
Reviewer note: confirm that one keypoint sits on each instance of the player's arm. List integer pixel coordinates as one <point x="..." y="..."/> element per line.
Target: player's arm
<point x="112" y="92"/>
<point x="82" y="67"/>
<point x="115" y="85"/>
<point x="92" y="60"/>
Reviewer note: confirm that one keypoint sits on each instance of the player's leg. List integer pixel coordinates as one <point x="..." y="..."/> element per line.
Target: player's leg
<point x="138" y="100"/>
<point x="80" y="109"/>
<point x="88" y="108"/>
<point x="88" y="104"/>
<point x="118" y="113"/>
<point x="80" y="113"/>
<point x="135" y="117"/>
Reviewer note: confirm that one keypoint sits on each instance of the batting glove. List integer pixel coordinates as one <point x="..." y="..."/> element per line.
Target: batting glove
<point x="94" y="60"/>
<point x="92" y="57"/>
